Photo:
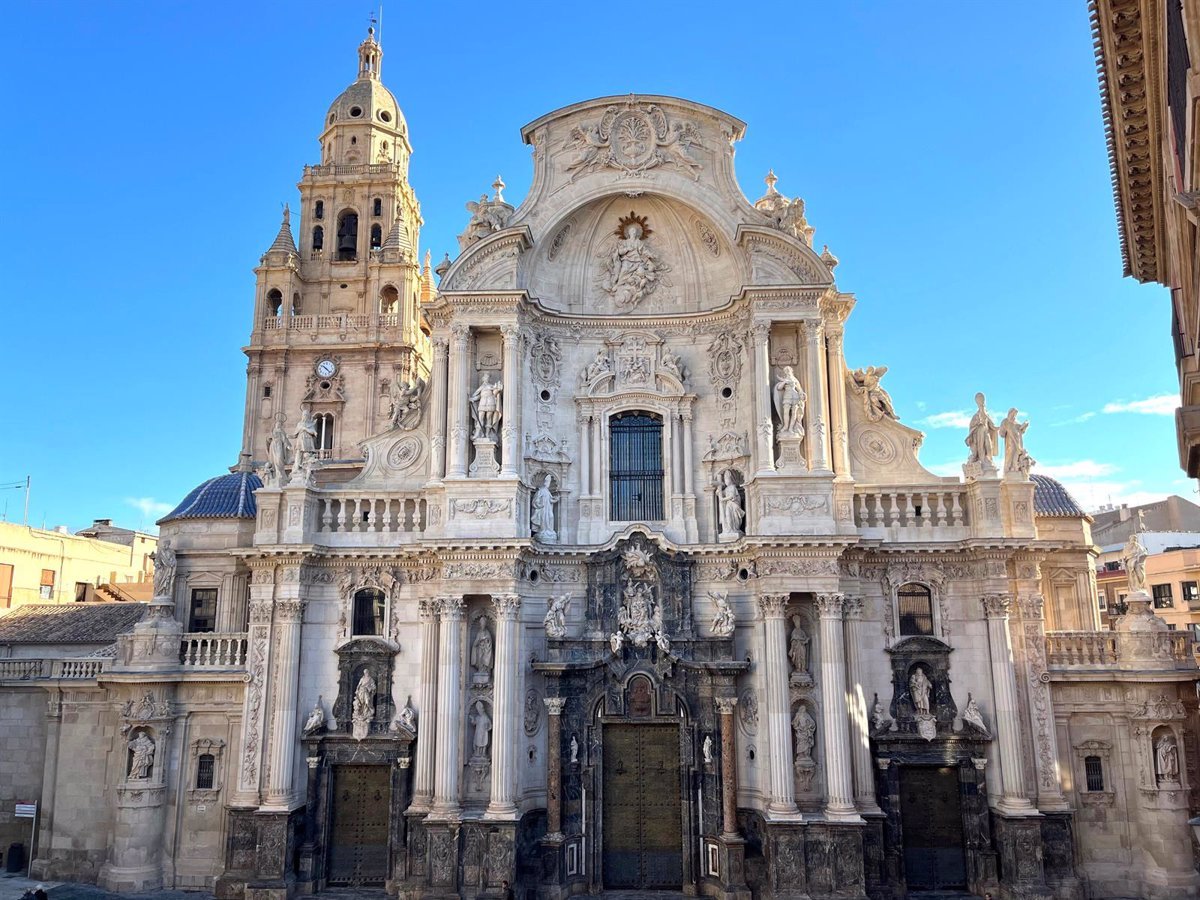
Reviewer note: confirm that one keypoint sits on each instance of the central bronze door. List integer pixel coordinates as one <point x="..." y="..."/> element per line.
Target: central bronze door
<point x="643" y="829"/>
<point x="932" y="828"/>
<point x="358" y="839"/>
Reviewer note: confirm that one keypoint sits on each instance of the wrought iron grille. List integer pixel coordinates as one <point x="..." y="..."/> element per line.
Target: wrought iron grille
<point x="916" y="609"/>
<point x="1094" y="770"/>
<point x="635" y="468"/>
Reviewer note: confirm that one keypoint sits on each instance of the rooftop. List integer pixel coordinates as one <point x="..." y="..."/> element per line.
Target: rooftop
<point x="69" y="623"/>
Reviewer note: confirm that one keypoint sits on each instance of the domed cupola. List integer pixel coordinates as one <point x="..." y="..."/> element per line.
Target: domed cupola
<point x="364" y="125"/>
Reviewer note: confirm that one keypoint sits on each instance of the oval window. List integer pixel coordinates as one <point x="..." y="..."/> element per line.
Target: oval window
<point x="355" y="111"/>
<point x="385" y="115"/>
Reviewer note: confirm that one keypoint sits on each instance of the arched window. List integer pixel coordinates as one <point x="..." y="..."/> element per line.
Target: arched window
<point x="274" y="302"/>
<point x="377" y="207"/>
<point x="1093" y="770"/>
<point x="368" y="611"/>
<point x="347" y="236"/>
<point x="376" y="236"/>
<point x="319" y="209"/>
<point x="916" y="609"/>
<point x="324" y="440"/>
<point x="318" y="238"/>
<point x="635" y="467"/>
<point x="206" y="771"/>
<point x="389" y="301"/>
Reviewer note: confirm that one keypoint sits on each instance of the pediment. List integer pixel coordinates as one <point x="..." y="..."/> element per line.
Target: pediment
<point x="776" y="258"/>
<point x="490" y="264"/>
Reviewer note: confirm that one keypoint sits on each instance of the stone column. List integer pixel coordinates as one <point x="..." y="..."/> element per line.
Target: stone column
<point x="426" y="707"/>
<point x="725" y="707"/>
<point x="1008" y="724"/>
<point x="585" y="455"/>
<point x="839" y="436"/>
<point x="437" y="410"/>
<point x="818" y="419"/>
<point x="554" y="708"/>
<point x="288" y="616"/>
<point x="460" y="392"/>
<point x="1041" y="704"/>
<point x="760" y="335"/>
<point x="839" y="792"/>
<point x="686" y="452"/>
<point x="856" y="699"/>
<point x="510" y="423"/>
<point x="448" y="769"/>
<point x="505" y="709"/>
<point x="772" y="607"/>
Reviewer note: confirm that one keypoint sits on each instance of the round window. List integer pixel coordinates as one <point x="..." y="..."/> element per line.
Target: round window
<point x="545" y="395"/>
<point x="355" y="112"/>
<point x="332" y="117"/>
<point x="726" y="392"/>
<point x="385" y="115"/>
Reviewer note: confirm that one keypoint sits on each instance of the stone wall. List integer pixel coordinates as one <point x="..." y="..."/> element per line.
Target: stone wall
<point x="22" y="754"/>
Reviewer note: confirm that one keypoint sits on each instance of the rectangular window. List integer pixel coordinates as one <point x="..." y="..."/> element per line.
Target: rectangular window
<point x="1102" y="601"/>
<point x="204" y="610"/>
<point x="1162" y="596"/>
<point x="46" y="588"/>
<point x="1191" y="593"/>
<point x="6" y="572"/>
<point x="81" y="591"/>
<point x="1195" y="628"/>
<point x="635" y="468"/>
<point x="1094" y="770"/>
<point x="206" y="770"/>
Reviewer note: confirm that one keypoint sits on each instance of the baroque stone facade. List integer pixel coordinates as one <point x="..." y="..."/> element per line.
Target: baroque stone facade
<point x="598" y="567"/>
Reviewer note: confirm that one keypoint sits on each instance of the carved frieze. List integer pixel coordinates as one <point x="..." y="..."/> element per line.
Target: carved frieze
<point x="633" y="140"/>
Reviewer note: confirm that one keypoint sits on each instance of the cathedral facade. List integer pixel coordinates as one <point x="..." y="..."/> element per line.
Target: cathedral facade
<point x="596" y="566"/>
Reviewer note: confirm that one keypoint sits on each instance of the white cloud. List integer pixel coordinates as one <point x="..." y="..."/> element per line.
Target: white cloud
<point x="952" y="419"/>
<point x="1082" y="417"/>
<point x="1083" y="468"/>
<point x="1158" y="405"/>
<point x="149" y="507"/>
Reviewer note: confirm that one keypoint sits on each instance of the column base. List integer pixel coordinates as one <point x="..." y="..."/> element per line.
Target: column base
<point x="1016" y="808"/>
<point x="868" y="808"/>
<point x="846" y="815"/>
<point x="783" y="812"/>
<point x="506" y="812"/>
<point x="731" y="863"/>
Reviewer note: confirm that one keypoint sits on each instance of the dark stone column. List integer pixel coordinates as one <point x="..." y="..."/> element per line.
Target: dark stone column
<point x="1019" y="842"/>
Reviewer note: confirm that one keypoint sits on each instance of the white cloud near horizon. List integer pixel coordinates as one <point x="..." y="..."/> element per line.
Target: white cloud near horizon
<point x="1083" y="468"/>
<point x="149" y="507"/>
<point x="951" y="419"/>
<point x="1158" y="405"/>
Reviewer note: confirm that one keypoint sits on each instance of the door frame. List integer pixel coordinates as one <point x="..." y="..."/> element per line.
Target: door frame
<point x="384" y="771"/>
<point x="956" y="773"/>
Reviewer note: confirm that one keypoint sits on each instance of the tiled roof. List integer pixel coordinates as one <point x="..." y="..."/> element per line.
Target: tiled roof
<point x="1050" y="498"/>
<point x="224" y="497"/>
<point x="68" y="623"/>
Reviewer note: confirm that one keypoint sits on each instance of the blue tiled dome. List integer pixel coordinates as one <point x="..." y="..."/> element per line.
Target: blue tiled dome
<point x="224" y="497"/>
<point x="1050" y="498"/>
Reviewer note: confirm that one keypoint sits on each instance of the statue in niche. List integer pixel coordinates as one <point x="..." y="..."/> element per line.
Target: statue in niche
<point x="789" y="398"/>
<point x="707" y="750"/>
<point x="599" y="366"/>
<point x="798" y="650"/>
<point x="729" y="505"/>
<point x="876" y="400"/>
<point x="574" y="748"/>
<point x="406" y="400"/>
<point x="639" y="620"/>
<point x="483" y="729"/>
<point x="483" y="654"/>
<point x="631" y="270"/>
<point x="972" y="715"/>
<point x="306" y="444"/>
<point x="879" y="718"/>
<point x="672" y="364"/>
<point x="723" y="622"/>
<point x="541" y="513"/>
<point x="279" y="454"/>
<point x="919" y="686"/>
<point x="1166" y="759"/>
<point x="1017" y="462"/>
<point x="555" y="622"/>
<point x="316" y="719"/>
<point x="486" y="409"/>
<point x="804" y="733"/>
<point x="982" y="436"/>
<point x="142" y="748"/>
<point x="408" y="716"/>
<point x="164" y="569"/>
<point x="362" y="711"/>
<point x="1134" y="557"/>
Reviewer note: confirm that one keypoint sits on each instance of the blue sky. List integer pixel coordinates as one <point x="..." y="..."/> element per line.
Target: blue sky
<point x="952" y="157"/>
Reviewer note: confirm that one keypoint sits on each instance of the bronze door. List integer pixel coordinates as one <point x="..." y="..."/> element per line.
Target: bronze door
<point x="932" y="828"/>
<point x="643" y="830"/>
<point x="358" y="834"/>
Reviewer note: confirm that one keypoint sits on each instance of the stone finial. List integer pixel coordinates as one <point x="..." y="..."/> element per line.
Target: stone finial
<point x="443" y="267"/>
<point x="498" y="187"/>
<point x="771" y="181"/>
<point x="831" y="261"/>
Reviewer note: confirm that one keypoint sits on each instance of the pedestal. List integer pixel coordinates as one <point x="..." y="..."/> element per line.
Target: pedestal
<point x="485" y="465"/>
<point x="791" y="454"/>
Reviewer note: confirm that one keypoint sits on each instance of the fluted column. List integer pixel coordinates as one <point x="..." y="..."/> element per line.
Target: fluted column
<point x="764" y="426"/>
<point x="437" y="410"/>
<point x="725" y="707"/>
<point x="585" y="455"/>
<point x="1008" y="724"/>
<point x="423" y="777"/>
<point x="288" y="616"/>
<point x="554" y="708"/>
<point x="505" y="710"/>
<point x="772" y="607"/>
<point x="839" y="791"/>
<point x="856" y="702"/>
<point x="510" y="423"/>
<point x="839" y="428"/>
<point x="686" y="452"/>
<point x="818" y="418"/>
<point x="448" y="769"/>
<point x="460" y="392"/>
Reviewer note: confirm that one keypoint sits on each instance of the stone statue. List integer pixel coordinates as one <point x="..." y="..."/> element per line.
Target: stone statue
<point x="316" y="719"/>
<point x="164" y="569"/>
<point x="574" y="747"/>
<point x="279" y="453"/>
<point x="981" y="438"/>
<point x="142" y="748"/>
<point x="555" y="622"/>
<point x="707" y="748"/>
<point x="879" y="718"/>
<point x="1166" y="758"/>
<point x="723" y="622"/>
<point x="482" y="653"/>
<point x="918" y="688"/>
<point x="1134" y="556"/>
<point x="973" y="716"/>
<point x="406" y="400"/>
<point x="601" y="365"/>
<point x="789" y="398"/>
<point x="671" y="363"/>
<point x="804" y="733"/>
<point x="631" y="270"/>
<point x="485" y="408"/>
<point x="1016" y="461"/>
<point x="362" y="711"/>
<point x="729" y="505"/>
<point x="483" y="728"/>
<point x="798" y="647"/>
<point x="487" y="216"/>
<point x="876" y="400"/>
<point x="541" y="513"/>
<point x="408" y="716"/>
<point x="305" y="445"/>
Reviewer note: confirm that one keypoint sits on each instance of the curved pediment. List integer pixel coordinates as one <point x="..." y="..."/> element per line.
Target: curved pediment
<point x="776" y="258"/>
<point x="490" y="264"/>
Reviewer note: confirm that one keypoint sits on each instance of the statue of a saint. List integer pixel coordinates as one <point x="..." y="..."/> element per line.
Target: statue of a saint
<point x="574" y="747"/>
<point x="1134" y="556"/>
<point x="919" y="686"/>
<point x="729" y="504"/>
<point x="973" y="716"/>
<point x="789" y="400"/>
<point x="483" y="727"/>
<point x="631" y="270"/>
<point x="601" y="365"/>
<point x="1166" y="758"/>
<point x="406" y="403"/>
<point x="707" y="748"/>
<point x="279" y="453"/>
<point x="798" y="646"/>
<point x="723" y="623"/>
<point x="556" y="617"/>
<point x="541" y="513"/>
<point x="485" y="407"/>
<point x="142" y="748"/>
<point x="164" y="569"/>
<point x="316" y="719"/>
<point x="305" y="445"/>
<point x="482" y="655"/>
<point x="408" y="717"/>
<point x="1016" y="460"/>
<point x="982" y="436"/>
<point x="804" y="733"/>
<point x="363" y="709"/>
<point x="879" y="717"/>
<point x="876" y="400"/>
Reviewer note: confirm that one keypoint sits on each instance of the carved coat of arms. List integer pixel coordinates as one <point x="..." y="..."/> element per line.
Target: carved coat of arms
<point x="632" y="140"/>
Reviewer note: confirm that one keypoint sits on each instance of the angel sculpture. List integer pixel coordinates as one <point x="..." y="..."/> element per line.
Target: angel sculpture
<point x="723" y="622"/>
<point x="406" y="400"/>
<point x="555" y="622"/>
<point x="877" y="401"/>
<point x="789" y="398"/>
<point x="316" y="719"/>
<point x="481" y="224"/>
<point x="973" y="716"/>
<point x="587" y="143"/>
<point x="677" y="148"/>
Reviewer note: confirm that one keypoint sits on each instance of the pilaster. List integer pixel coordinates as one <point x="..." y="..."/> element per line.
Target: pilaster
<point x="456" y="413"/>
<point x="860" y="732"/>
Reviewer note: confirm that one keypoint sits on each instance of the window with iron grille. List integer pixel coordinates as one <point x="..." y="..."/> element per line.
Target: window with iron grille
<point x="206" y="772"/>
<point x="368" y="611"/>
<point x="1093" y="768"/>
<point x="635" y="471"/>
<point x="1190" y="593"/>
<point x="1162" y="596"/>
<point x="204" y="610"/>
<point x="916" y="609"/>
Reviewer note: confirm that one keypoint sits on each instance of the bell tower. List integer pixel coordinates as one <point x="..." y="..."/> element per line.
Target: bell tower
<point x="336" y="313"/>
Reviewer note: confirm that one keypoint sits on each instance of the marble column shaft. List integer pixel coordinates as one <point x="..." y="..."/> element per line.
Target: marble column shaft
<point x="838" y="434"/>
<point x="288" y="616"/>
<point x="437" y="410"/>
<point x="585" y="455"/>
<point x="448" y="769"/>
<point x="554" y="708"/>
<point x="779" y="727"/>
<point x="505" y="710"/>
<point x="729" y="827"/>
<point x="764" y="426"/>
<point x="423" y="777"/>
<point x="839" y="791"/>
<point x="460" y="393"/>
<point x="685" y="451"/>
<point x="510" y="422"/>
<point x="1008" y="724"/>
<point x="818" y="419"/>
<point x="856" y="701"/>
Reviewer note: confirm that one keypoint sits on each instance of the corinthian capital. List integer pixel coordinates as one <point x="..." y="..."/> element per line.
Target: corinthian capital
<point x="725" y="705"/>
<point x="555" y="705"/>
<point x="831" y="605"/>
<point x="290" y="611"/>
<point x="451" y="607"/>
<point x="854" y="607"/>
<point x="995" y="606"/>
<point x="772" y="606"/>
<point x="427" y="610"/>
<point x="507" y="605"/>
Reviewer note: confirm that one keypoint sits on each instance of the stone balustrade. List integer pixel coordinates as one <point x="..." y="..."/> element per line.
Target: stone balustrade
<point x="1068" y="649"/>
<point x="83" y="668"/>
<point x="22" y="669"/>
<point x="346" y="513"/>
<point x="211" y="650"/>
<point x="914" y="508"/>
<point x="331" y="322"/>
<point x="1074" y="650"/>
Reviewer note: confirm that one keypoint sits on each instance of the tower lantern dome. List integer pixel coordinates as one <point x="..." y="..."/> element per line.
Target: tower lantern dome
<point x="368" y="113"/>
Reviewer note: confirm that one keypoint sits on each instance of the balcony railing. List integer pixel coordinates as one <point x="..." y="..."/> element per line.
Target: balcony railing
<point x="211" y="650"/>
<point x="932" y="507"/>
<point x="1074" y="650"/>
<point x="82" y="668"/>
<point x="331" y="322"/>
<point x="1066" y="649"/>
<point x="390" y="513"/>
